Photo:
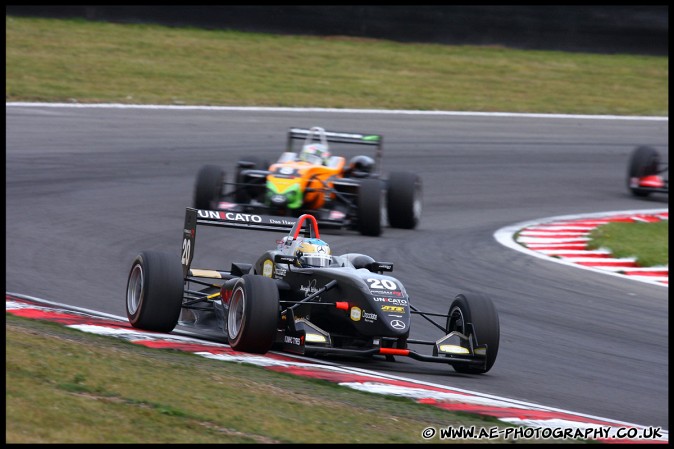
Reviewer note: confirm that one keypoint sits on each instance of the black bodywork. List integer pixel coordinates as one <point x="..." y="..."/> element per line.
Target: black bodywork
<point x="351" y="308"/>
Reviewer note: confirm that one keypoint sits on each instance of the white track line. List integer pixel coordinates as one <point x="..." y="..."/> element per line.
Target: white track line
<point x="345" y="111"/>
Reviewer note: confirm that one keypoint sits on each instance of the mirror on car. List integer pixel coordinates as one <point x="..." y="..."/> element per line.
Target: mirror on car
<point x="282" y="258"/>
<point x="379" y="267"/>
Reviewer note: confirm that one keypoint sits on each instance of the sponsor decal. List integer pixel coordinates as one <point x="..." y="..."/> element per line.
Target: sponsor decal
<point x="381" y="292"/>
<point x="397" y="324"/>
<point x="382" y="284"/>
<point x="369" y="317"/>
<point x="267" y="268"/>
<point x="355" y="313"/>
<point x="385" y="293"/>
<point x="186" y="258"/>
<point x="278" y="199"/>
<point x="395" y="309"/>
<point x="309" y="289"/>
<point x="281" y="221"/>
<point x="286" y="259"/>
<point x="243" y="217"/>
<point x="397" y="301"/>
<point x="286" y="170"/>
<point x="280" y="271"/>
<point x="231" y="216"/>
<point x="297" y="341"/>
<point x="209" y="214"/>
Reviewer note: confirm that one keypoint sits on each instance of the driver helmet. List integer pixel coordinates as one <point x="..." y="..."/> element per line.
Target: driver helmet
<point x="313" y="253"/>
<point x="315" y="153"/>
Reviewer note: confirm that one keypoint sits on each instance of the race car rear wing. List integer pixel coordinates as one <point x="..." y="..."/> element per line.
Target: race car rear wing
<point x="323" y="136"/>
<point x="305" y="224"/>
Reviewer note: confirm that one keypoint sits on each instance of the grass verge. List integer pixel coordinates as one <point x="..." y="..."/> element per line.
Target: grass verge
<point x="647" y="242"/>
<point x="76" y="60"/>
<point x="66" y="386"/>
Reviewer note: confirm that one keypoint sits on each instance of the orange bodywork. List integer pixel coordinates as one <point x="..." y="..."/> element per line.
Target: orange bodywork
<point x="309" y="177"/>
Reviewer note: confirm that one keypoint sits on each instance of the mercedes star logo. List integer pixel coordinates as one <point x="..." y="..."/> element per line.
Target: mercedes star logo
<point x="397" y="324"/>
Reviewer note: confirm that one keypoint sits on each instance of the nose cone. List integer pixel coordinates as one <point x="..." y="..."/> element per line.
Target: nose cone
<point x="283" y="193"/>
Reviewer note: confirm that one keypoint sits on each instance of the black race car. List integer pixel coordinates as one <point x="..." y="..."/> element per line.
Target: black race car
<point x="646" y="173"/>
<point x="340" y="193"/>
<point x="287" y="300"/>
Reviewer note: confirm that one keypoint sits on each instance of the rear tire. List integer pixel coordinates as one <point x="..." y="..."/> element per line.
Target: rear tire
<point x="208" y="188"/>
<point x="403" y="200"/>
<point x="480" y="311"/>
<point x="369" y="207"/>
<point x="643" y="162"/>
<point x="154" y="291"/>
<point x="253" y="314"/>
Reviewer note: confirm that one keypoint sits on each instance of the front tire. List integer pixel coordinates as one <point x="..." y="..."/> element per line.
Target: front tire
<point x="403" y="200"/>
<point x="369" y="207"/>
<point x="154" y="291"/>
<point x="480" y="311"/>
<point x="643" y="162"/>
<point x="253" y="314"/>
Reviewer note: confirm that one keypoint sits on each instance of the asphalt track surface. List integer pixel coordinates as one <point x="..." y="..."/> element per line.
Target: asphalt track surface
<point x="87" y="189"/>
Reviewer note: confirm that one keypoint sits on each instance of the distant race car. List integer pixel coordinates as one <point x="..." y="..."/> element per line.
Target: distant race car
<point x="646" y="174"/>
<point x="301" y="298"/>
<point x="345" y="194"/>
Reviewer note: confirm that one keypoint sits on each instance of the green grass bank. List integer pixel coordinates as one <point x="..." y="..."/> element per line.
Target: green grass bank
<point x="74" y="60"/>
<point x="66" y="386"/>
<point x="647" y="242"/>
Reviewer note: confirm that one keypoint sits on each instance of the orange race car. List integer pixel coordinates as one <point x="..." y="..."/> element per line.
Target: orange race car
<point x="310" y="179"/>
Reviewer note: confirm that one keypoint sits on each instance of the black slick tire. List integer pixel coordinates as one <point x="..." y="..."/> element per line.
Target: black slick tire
<point x="154" y="291"/>
<point x="208" y="187"/>
<point x="479" y="310"/>
<point x="253" y="314"/>
<point x="369" y="207"/>
<point x="643" y="162"/>
<point x="404" y="200"/>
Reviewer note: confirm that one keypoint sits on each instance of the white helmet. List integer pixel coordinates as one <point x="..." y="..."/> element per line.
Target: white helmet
<point x="313" y="253"/>
<point x="315" y="153"/>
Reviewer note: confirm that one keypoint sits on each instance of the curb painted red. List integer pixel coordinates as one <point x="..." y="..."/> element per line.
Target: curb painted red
<point x="564" y="240"/>
<point x="525" y="415"/>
